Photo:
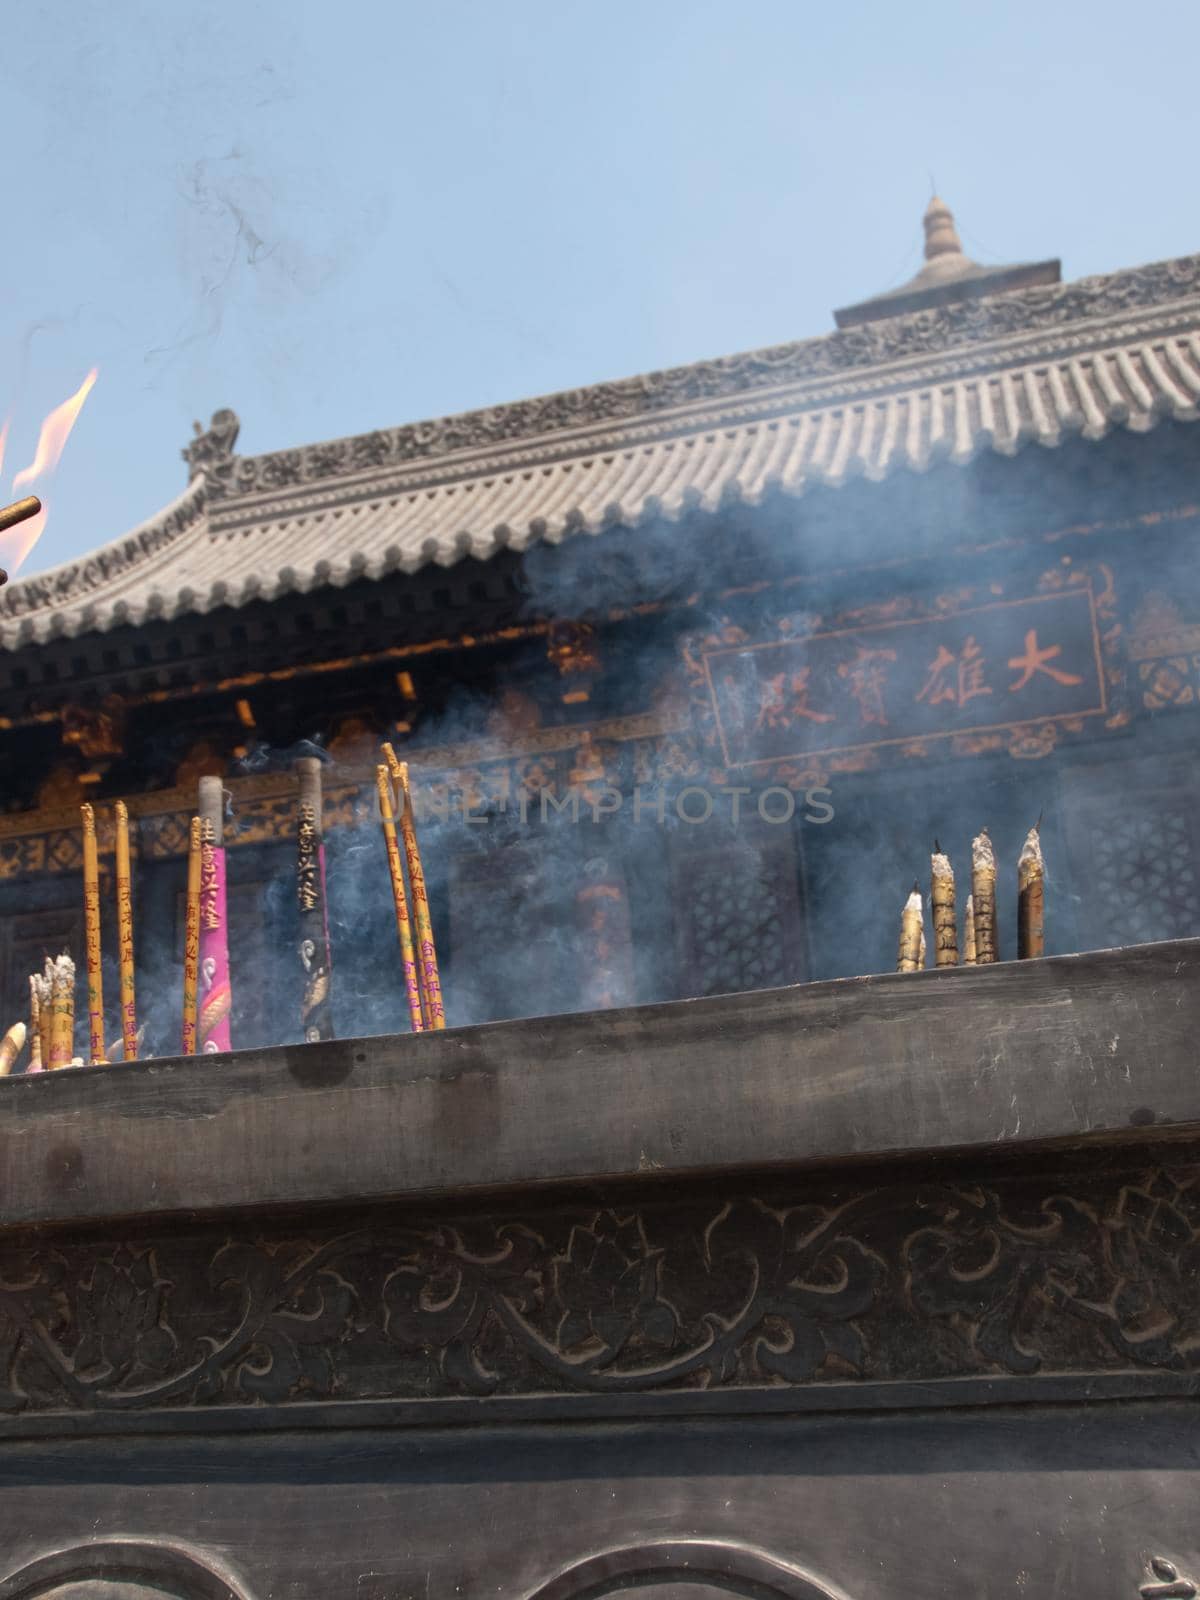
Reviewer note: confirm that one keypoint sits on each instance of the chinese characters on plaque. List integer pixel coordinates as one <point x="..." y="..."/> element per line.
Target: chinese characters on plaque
<point x="994" y="666"/>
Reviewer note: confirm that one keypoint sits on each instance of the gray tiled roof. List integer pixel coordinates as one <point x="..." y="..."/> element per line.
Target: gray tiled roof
<point x="1036" y="366"/>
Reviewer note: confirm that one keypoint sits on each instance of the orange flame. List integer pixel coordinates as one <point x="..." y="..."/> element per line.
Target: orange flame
<point x="56" y="430"/>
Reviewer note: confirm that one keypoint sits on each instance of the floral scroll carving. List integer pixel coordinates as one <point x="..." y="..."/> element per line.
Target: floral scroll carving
<point x="919" y="1283"/>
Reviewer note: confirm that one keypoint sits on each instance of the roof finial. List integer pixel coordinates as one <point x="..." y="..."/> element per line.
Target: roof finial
<point x="946" y="274"/>
<point x="941" y="236"/>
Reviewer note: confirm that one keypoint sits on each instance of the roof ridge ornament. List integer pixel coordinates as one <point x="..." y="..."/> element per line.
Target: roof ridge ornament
<point x="947" y="276"/>
<point x="211" y="450"/>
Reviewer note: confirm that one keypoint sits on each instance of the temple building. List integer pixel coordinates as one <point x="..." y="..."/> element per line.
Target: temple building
<point x="691" y="668"/>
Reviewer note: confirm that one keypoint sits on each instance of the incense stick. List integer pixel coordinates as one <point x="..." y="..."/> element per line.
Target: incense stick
<point x="941" y="903"/>
<point x="431" y="985"/>
<point x="125" y="934"/>
<point x="44" y="981"/>
<point x="983" y="893"/>
<point x="216" y="991"/>
<point x="1031" y="881"/>
<point x="316" y="1007"/>
<point x="35" y="1026"/>
<point x="91" y="927"/>
<point x="62" y="1012"/>
<point x="10" y="1048"/>
<point x="912" y="934"/>
<point x="408" y="960"/>
<point x="191" y="941"/>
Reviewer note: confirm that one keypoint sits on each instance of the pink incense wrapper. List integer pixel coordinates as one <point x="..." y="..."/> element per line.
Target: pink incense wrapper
<point x="215" y="998"/>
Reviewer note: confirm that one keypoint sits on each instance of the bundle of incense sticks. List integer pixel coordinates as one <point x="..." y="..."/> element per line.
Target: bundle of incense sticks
<point x="50" y="1032"/>
<point x="980" y="943"/>
<point x="429" y="987"/>
<point x="215" y="996"/>
<point x="316" y="1005"/>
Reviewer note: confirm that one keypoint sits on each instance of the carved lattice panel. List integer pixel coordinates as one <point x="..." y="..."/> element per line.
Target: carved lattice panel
<point x="737" y="915"/>
<point x="1147" y="875"/>
<point x="1135" y="853"/>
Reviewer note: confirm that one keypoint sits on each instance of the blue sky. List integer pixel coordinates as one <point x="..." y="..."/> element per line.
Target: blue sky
<point x="335" y="217"/>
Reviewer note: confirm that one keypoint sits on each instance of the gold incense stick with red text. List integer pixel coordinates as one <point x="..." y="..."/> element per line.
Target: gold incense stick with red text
<point x="91" y="936"/>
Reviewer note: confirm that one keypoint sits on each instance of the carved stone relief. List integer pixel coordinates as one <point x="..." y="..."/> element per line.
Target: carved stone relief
<point x="919" y="1283"/>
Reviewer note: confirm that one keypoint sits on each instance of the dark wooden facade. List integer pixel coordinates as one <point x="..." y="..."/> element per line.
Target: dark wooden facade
<point x="509" y="702"/>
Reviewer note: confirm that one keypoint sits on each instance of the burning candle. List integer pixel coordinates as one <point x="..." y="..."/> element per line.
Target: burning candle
<point x="912" y="933"/>
<point x="408" y="960"/>
<point x="941" y="904"/>
<point x="983" y="893"/>
<point x="191" y="941"/>
<point x="62" y="1012"/>
<point x="125" y="935"/>
<point x="316" y="1007"/>
<point x="91" y="925"/>
<point x="216" y="995"/>
<point x="431" y="986"/>
<point x="1031" y="897"/>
